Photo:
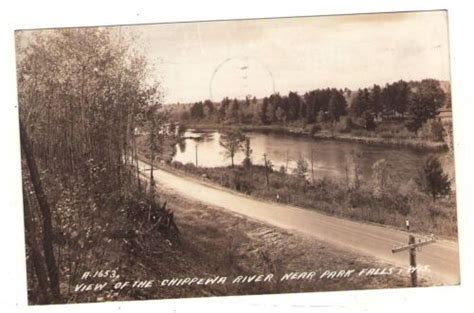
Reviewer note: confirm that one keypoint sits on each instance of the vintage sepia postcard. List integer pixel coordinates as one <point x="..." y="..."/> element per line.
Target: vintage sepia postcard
<point x="238" y="157"/>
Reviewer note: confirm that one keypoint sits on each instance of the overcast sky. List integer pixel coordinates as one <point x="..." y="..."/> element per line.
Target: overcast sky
<point x="197" y="61"/>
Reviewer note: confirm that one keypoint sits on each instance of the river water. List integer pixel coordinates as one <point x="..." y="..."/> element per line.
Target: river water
<point x="330" y="157"/>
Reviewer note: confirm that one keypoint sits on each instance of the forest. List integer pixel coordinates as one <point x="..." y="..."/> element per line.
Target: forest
<point x="82" y="94"/>
<point x="398" y="109"/>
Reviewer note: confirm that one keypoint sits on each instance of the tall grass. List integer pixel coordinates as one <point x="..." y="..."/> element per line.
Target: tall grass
<point x="391" y="207"/>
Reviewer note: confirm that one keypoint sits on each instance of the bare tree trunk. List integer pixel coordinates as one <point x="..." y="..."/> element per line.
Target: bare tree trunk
<point x="45" y="212"/>
<point x="266" y="171"/>
<point x="152" y="179"/>
<point x="35" y="254"/>
<point x="138" y="166"/>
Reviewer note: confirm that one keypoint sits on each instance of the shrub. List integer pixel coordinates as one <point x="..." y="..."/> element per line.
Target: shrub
<point x="436" y="212"/>
<point x="344" y="125"/>
<point x="433" y="180"/>
<point x="247" y="162"/>
<point x="301" y="168"/>
<point x="357" y="198"/>
<point x="397" y="203"/>
<point x="369" y="122"/>
<point x="190" y="166"/>
<point x="314" y="129"/>
<point x="177" y="164"/>
<point x="242" y="183"/>
<point x="381" y="176"/>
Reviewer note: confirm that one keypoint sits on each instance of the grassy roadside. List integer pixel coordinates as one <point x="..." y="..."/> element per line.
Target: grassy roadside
<point x="215" y="242"/>
<point x="390" y="208"/>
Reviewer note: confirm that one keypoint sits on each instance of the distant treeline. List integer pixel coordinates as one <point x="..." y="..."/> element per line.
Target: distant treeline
<point x="415" y="102"/>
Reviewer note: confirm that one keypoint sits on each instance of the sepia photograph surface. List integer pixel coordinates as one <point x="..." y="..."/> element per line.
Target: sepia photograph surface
<point x="239" y="157"/>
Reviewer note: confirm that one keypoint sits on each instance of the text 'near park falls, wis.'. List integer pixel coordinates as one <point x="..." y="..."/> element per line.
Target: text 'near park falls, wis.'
<point x="237" y="157"/>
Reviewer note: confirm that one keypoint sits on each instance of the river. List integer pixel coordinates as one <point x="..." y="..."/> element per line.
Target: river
<point x="330" y="157"/>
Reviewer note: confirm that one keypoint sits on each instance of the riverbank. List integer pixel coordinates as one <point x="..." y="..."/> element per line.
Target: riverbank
<point x="391" y="208"/>
<point x="411" y="143"/>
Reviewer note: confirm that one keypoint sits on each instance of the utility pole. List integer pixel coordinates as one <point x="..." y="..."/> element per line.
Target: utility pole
<point x="312" y="167"/>
<point x="196" y="148"/>
<point x="414" y="274"/>
<point x="266" y="170"/>
<point x="413" y="246"/>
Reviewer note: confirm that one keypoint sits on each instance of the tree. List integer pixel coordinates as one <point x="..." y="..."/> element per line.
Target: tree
<point x="82" y="96"/>
<point x="382" y="176"/>
<point x="294" y="103"/>
<point x="395" y="98"/>
<point x="337" y="105"/>
<point x="223" y="108"/>
<point x="433" y="179"/>
<point x="197" y="111"/>
<point x="369" y="121"/>
<point x="401" y="97"/>
<point x="303" y="111"/>
<point x="234" y="111"/>
<point x="208" y="108"/>
<point x="155" y="121"/>
<point x="247" y="152"/>
<point x="353" y="170"/>
<point x="375" y="100"/>
<point x="231" y="141"/>
<point x="275" y="103"/>
<point x="280" y="116"/>
<point x="247" y="101"/>
<point x="44" y="206"/>
<point x="310" y="112"/>
<point x="268" y="165"/>
<point x="263" y="114"/>
<point x="301" y="169"/>
<point x="184" y="117"/>
<point x="360" y="103"/>
<point x="424" y="103"/>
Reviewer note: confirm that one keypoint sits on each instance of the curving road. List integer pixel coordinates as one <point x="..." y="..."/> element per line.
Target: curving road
<point x="442" y="257"/>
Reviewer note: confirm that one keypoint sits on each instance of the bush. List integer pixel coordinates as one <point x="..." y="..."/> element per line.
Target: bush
<point x="369" y="122"/>
<point x="242" y="183"/>
<point x="301" y="169"/>
<point x="433" y="180"/>
<point x="397" y="203"/>
<point x="314" y="129"/>
<point x="357" y="198"/>
<point x="190" y="166"/>
<point x="177" y="164"/>
<point x="344" y="125"/>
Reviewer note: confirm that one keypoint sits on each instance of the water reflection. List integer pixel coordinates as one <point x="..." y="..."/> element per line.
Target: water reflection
<point x="329" y="156"/>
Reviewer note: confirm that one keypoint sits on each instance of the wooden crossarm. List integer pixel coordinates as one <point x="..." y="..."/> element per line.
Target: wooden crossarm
<point x="415" y="245"/>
